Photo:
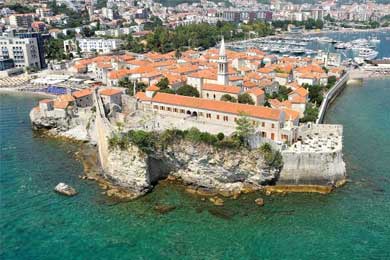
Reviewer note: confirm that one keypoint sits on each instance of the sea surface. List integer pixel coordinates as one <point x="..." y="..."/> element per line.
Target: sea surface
<point x="351" y="223"/>
<point x="383" y="47"/>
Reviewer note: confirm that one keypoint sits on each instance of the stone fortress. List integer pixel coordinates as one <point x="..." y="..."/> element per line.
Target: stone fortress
<point x="312" y="153"/>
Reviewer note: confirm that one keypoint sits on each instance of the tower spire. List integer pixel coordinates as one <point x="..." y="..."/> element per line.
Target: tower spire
<point x="222" y="49"/>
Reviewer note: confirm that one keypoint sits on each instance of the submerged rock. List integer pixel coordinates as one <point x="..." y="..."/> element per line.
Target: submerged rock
<point x="163" y="209"/>
<point x="217" y="201"/>
<point x="65" y="189"/>
<point x="119" y="194"/>
<point x="259" y="202"/>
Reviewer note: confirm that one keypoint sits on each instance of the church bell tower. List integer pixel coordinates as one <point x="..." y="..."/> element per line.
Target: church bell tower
<point x="223" y="77"/>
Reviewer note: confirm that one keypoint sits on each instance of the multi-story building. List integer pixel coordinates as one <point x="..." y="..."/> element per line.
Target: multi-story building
<point x="40" y="38"/>
<point x="99" y="45"/>
<point x="21" y="20"/>
<point x="24" y="52"/>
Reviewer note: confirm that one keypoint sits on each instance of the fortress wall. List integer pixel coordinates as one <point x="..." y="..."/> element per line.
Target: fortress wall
<point x="308" y="168"/>
<point x="104" y="131"/>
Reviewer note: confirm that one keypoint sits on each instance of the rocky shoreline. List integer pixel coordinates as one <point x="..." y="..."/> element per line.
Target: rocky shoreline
<point x="205" y="170"/>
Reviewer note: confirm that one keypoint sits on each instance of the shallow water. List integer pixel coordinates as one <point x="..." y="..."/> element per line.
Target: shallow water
<point x="351" y="223"/>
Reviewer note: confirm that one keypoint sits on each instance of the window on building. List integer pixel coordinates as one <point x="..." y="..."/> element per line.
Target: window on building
<point x="262" y="124"/>
<point x="175" y="110"/>
<point x="208" y="115"/>
<point x="273" y="126"/>
<point x="272" y="136"/>
<point x="214" y="96"/>
<point x="263" y="134"/>
<point x="162" y="108"/>
<point x="200" y="113"/>
<point x="225" y="118"/>
<point x="182" y="111"/>
<point x="207" y="95"/>
<point x="169" y="109"/>
<point x="217" y="117"/>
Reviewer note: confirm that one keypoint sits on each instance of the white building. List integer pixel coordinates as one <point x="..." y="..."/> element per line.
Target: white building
<point x="99" y="45"/>
<point x="24" y="52"/>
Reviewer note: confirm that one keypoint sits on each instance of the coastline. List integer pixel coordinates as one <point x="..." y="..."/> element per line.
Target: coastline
<point x="314" y="32"/>
<point x="349" y="30"/>
<point x="26" y="93"/>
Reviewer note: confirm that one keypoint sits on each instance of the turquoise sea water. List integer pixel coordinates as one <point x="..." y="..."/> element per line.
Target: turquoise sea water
<point x="351" y="223"/>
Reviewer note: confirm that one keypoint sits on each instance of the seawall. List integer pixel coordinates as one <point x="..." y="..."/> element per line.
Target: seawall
<point x="331" y="95"/>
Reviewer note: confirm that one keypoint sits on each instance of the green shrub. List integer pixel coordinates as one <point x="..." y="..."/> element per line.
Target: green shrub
<point x="220" y="136"/>
<point x="266" y="148"/>
<point x="146" y="141"/>
<point x="150" y="141"/>
<point x="272" y="158"/>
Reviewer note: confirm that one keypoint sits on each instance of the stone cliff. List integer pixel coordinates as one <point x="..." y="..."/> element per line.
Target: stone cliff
<point x="78" y="125"/>
<point x="225" y="170"/>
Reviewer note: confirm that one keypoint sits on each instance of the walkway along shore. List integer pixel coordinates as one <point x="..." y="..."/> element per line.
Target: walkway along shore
<point x="331" y="95"/>
<point x="340" y="85"/>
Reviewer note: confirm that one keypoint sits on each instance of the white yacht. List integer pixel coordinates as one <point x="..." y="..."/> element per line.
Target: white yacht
<point x="367" y="54"/>
<point x="375" y="40"/>
<point x="298" y="51"/>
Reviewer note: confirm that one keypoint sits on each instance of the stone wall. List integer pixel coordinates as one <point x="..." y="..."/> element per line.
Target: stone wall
<point x="315" y="160"/>
<point x="308" y="168"/>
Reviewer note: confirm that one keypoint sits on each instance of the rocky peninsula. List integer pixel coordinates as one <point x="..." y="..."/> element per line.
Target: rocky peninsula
<point x="314" y="164"/>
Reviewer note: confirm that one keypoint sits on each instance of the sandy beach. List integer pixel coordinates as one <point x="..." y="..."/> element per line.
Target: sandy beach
<point x="15" y="91"/>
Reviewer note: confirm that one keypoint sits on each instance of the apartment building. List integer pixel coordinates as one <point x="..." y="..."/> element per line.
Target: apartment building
<point x="99" y="45"/>
<point x="24" y="52"/>
<point x="21" y="20"/>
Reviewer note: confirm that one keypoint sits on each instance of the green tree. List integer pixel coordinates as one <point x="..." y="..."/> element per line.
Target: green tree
<point x="21" y="9"/>
<point x="129" y="86"/>
<point x="283" y="93"/>
<point x="245" y="98"/>
<point x="177" y="54"/>
<point x="187" y="90"/>
<point x="163" y="83"/>
<point x="87" y="32"/>
<point x="315" y="94"/>
<point x="244" y="127"/>
<point x="54" y="49"/>
<point x="228" y="98"/>
<point x="310" y="114"/>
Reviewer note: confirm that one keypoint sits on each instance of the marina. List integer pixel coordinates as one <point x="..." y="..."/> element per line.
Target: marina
<point x="363" y="46"/>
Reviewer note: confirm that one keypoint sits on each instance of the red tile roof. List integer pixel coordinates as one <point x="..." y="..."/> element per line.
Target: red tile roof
<point x="46" y="101"/>
<point x="213" y="105"/>
<point x="82" y="93"/>
<point x="222" y="88"/>
<point x="152" y="88"/>
<point x="256" y="91"/>
<point x="110" y="91"/>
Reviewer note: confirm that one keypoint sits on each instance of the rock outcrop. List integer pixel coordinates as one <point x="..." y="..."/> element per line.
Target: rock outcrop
<point x="65" y="189"/>
<point x="78" y="125"/>
<point x="225" y="170"/>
